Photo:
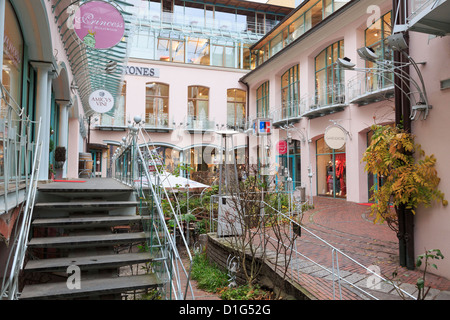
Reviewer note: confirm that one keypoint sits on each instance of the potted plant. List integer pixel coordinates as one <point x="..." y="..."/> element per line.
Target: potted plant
<point x="60" y="158"/>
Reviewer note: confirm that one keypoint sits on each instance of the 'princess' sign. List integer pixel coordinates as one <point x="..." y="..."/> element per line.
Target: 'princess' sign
<point x="99" y="24"/>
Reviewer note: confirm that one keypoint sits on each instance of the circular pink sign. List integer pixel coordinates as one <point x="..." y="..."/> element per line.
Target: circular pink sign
<point x="99" y="24"/>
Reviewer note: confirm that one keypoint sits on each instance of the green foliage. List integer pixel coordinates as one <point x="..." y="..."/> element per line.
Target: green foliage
<point x="246" y="292"/>
<point x="208" y="276"/>
<point x="410" y="177"/>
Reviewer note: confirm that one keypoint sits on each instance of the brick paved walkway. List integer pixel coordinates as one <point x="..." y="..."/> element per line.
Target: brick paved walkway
<point x="348" y="227"/>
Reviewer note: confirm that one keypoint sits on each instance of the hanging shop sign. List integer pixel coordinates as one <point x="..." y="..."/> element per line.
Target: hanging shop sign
<point x="262" y="126"/>
<point x="99" y="24"/>
<point x="282" y="147"/>
<point x="101" y="101"/>
<point x="335" y="137"/>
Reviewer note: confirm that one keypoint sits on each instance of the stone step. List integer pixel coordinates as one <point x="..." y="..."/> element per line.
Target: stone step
<point x="88" y="262"/>
<point x="99" y="286"/>
<point x="85" y="221"/>
<point x="87" y="240"/>
<point x="86" y="205"/>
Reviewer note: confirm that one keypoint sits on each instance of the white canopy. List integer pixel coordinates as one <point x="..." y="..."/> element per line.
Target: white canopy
<point x="173" y="183"/>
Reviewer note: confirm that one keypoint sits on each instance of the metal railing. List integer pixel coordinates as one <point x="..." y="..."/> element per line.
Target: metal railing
<point x="19" y="173"/>
<point x="297" y="251"/>
<point x="369" y="83"/>
<point x="290" y="110"/>
<point x="417" y="6"/>
<point x="199" y="123"/>
<point x="142" y="169"/>
<point x="158" y="121"/>
<point x="328" y="97"/>
<point x="16" y="152"/>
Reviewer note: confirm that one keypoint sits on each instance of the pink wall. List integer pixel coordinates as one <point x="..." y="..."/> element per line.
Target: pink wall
<point x="432" y="225"/>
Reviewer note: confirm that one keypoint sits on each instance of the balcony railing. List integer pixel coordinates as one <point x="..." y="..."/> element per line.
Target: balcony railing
<point x="290" y="110"/>
<point x="201" y="25"/>
<point x="17" y="148"/>
<point x="319" y="104"/>
<point x="196" y="123"/>
<point x="426" y="16"/>
<point x="370" y="87"/>
<point x="158" y="122"/>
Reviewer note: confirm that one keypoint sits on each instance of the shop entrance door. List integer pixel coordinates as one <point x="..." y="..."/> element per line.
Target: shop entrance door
<point x="294" y="170"/>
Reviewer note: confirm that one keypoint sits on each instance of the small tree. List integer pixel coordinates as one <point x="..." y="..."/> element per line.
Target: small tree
<point x="410" y="177"/>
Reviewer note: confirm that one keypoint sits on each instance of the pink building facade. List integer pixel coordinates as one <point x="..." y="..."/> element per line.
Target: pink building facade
<point x="295" y="81"/>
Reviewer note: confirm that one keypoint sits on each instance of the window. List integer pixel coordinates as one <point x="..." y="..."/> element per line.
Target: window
<point x="12" y="60"/>
<point x="157" y="104"/>
<point x="198" y="51"/>
<point x="198" y="102"/>
<point x="170" y="49"/>
<point x="236" y="99"/>
<point x="223" y="54"/>
<point x="290" y="91"/>
<point x="375" y="38"/>
<point x="262" y="100"/>
<point x="116" y="117"/>
<point x="329" y="77"/>
<point x="331" y="170"/>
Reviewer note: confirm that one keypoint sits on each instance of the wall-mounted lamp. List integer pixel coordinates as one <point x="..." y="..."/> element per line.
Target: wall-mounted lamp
<point x="398" y="43"/>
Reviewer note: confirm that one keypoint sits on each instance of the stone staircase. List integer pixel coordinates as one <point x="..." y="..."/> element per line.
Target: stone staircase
<point x="91" y="226"/>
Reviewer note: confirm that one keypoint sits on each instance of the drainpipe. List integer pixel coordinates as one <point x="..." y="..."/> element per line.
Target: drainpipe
<point x="247" y="108"/>
<point x="402" y="117"/>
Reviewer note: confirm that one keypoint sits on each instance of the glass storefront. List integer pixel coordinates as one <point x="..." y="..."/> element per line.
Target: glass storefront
<point x="290" y="163"/>
<point x="12" y="67"/>
<point x="12" y="59"/>
<point x="331" y="170"/>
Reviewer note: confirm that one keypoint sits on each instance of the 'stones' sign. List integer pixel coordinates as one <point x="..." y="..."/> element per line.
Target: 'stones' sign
<point x="101" y="101"/>
<point x="99" y="24"/>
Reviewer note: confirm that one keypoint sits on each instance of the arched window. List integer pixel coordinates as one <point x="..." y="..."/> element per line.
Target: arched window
<point x="262" y="100"/>
<point x="198" y="102"/>
<point x="375" y="38"/>
<point x="157" y="104"/>
<point x="236" y="99"/>
<point x="290" y="91"/>
<point x="329" y="77"/>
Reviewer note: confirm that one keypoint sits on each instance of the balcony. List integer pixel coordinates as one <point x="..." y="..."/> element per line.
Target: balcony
<point x="427" y="16"/>
<point x="196" y="124"/>
<point x="290" y="112"/>
<point x="366" y="88"/>
<point x="158" y="123"/>
<point x="114" y="122"/>
<point x="325" y="102"/>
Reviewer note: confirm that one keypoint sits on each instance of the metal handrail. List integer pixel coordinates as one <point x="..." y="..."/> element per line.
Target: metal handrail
<point x="334" y="271"/>
<point x="135" y="172"/>
<point x="19" y="248"/>
<point x="334" y="252"/>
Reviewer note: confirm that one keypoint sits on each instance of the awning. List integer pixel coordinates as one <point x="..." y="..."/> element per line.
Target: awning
<point x="93" y="69"/>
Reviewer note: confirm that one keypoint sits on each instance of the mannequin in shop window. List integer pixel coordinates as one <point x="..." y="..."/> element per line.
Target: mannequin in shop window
<point x="340" y="177"/>
<point x="330" y="178"/>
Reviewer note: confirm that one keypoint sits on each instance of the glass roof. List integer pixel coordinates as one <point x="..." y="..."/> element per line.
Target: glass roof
<point x="93" y="69"/>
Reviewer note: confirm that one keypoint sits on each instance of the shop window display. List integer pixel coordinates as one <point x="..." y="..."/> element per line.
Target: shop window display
<point x="331" y="171"/>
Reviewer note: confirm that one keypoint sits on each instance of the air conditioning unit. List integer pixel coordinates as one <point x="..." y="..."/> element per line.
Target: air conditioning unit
<point x="229" y="222"/>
